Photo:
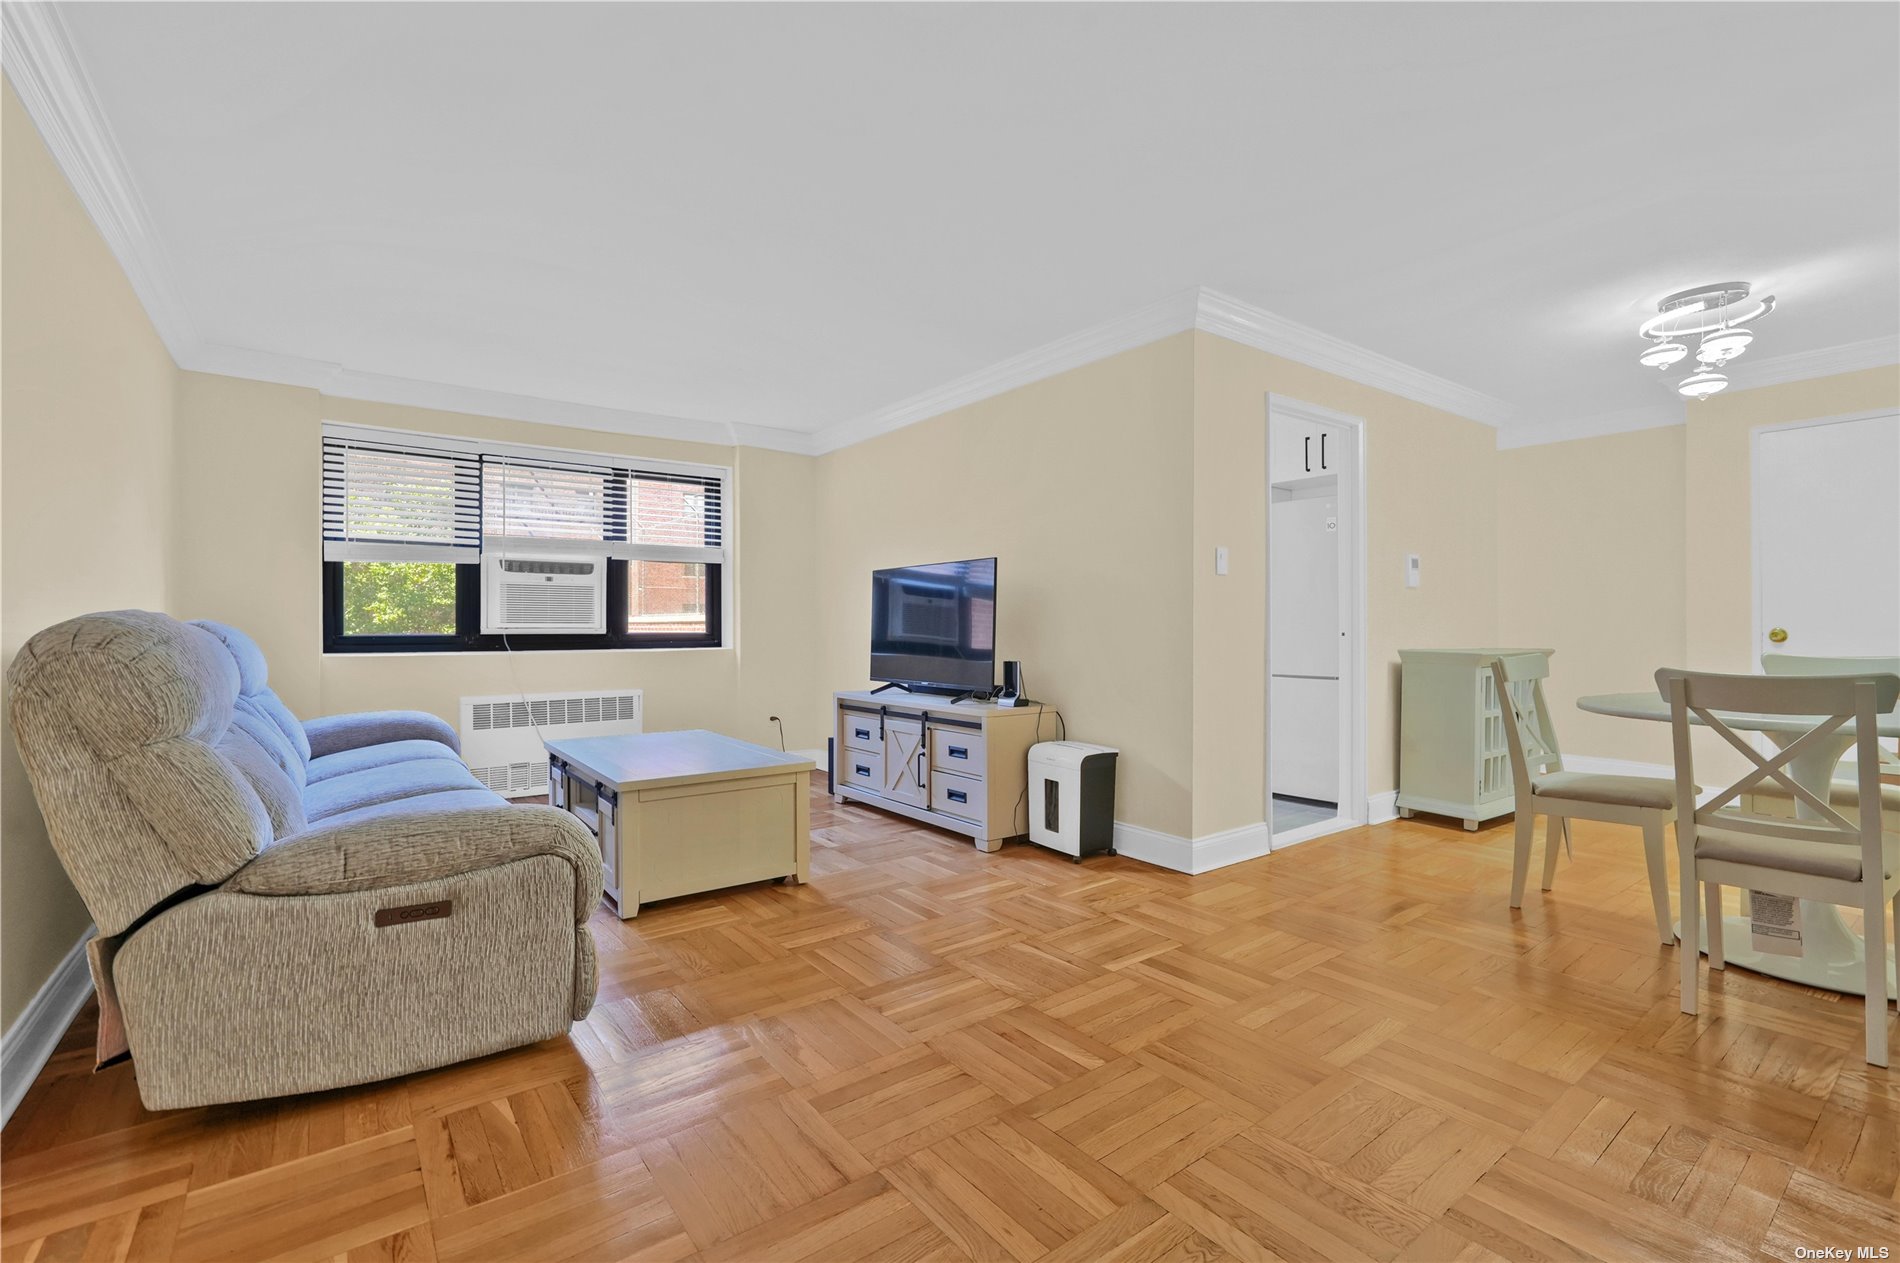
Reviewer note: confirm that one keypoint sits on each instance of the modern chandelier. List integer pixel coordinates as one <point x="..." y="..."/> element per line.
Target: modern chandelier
<point x="1713" y="315"/>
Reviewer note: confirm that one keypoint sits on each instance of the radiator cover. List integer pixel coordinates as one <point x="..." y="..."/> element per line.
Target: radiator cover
<point x="502" y="735"/>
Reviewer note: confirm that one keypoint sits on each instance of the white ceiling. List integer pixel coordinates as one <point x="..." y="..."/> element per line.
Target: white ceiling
<point x="791" y="216"/>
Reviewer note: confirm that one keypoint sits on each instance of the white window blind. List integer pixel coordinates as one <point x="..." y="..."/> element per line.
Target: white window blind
<point x="388" y="494"/>
<point x="386" y="501"/>
<point x="626" y="512"/>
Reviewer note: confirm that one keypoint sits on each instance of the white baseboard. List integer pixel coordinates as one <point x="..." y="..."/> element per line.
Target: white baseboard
<point x="1197" y="855"/>
<point x="36" y="1032"/>
<point x="1382" y="807"/>
<point x="1231" y="846"/>
<point x="1151" y="846"/>
<point x="816" y="756"/>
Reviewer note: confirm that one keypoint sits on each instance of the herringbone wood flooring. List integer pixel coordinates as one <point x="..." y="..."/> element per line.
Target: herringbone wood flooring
<point x="1352" y="1049"/>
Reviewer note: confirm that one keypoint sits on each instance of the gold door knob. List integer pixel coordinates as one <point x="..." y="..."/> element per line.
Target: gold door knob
<point x="1778" y="635"/>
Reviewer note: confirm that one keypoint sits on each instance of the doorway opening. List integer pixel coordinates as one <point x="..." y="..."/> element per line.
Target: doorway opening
<point x="1316" y="742"/>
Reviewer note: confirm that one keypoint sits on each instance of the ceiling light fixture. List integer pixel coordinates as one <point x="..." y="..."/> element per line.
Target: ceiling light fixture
<point x="1702" y="385"/>
<point x="1714" y="316"/>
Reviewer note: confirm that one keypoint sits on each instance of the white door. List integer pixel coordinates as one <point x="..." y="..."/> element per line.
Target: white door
<point x="1827" y="538"/>
<point x="1303" y="607"/>
<point x="1304" y="735"/>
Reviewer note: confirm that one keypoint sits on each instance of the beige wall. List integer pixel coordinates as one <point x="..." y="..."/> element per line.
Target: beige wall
<point x="249" y="465"/>
<point x="1716" y="499"/>
<point x="1590" y="563"/>
<point x="1632" y="551"/>
<point x="1430" y="479"/>
<point x="85" y="492"/>
<point x="1079" y="486"/>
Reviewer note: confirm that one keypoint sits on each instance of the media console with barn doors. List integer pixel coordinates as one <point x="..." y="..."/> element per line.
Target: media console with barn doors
<point x="962" y="766"/>
<point x="434" y="543"/>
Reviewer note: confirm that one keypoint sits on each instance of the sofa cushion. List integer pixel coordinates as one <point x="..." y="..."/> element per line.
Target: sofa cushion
<point x="439" y="801"/>
<point x="385" y="784"/>
<point x="325" y="766"/>
<point x="254" y="692"/>
<point x="259" y="765"/>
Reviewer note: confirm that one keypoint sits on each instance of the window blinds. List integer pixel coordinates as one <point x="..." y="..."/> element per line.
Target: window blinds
<point x="431" y="499"/>
<point x="384" y="501"/>
<point x="630" y="513"/>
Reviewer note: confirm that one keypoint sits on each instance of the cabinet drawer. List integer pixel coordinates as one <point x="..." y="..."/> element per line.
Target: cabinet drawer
<point x="863" y="769"/>
<point x="955" y="750"/>
<point x="861" y="732"/>
<point x="955" y="795"/>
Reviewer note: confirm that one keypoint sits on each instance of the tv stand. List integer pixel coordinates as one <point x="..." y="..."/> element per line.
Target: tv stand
<point x="960" y="765"/>
<point x="885" y="688"/>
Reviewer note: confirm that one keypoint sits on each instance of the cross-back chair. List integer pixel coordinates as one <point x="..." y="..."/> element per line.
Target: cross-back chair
<point x="1824" y="855"/>
<point x="1544" y="788"/>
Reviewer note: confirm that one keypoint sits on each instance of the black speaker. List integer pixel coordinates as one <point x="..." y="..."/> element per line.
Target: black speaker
<point x="1012" y="694"/>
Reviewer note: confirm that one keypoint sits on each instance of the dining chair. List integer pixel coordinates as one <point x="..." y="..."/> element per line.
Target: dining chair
<point x="1823" y="856"/>
<point x="1802" y="664"/>
<point x="1544" y="788"/>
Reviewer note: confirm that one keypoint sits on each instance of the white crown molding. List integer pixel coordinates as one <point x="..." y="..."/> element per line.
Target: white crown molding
<point x="1628" y="420"/>
<point x="1242" y="322"/>
<point x="1849" y="357"/>
<point x="338" y="382"/>
<point x="37" y="53"/>
<point x="1157" y="320"/>
<point x="39" y="59"/>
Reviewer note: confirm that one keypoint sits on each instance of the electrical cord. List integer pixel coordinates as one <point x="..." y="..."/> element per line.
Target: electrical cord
<point x="1022" y="799"/>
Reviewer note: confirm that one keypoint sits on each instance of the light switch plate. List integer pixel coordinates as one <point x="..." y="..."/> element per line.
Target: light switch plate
<point x="1220" y="560"/>
<point x="1411" y="570"/>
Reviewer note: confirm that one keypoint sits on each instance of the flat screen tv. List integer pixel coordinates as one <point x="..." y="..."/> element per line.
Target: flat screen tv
<point x="933" y="628"/>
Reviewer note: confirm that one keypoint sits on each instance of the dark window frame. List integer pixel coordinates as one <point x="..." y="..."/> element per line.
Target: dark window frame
<point x="468" y="637"/>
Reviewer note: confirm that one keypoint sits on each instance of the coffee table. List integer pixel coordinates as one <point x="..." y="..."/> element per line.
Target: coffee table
<point x="678" y="813"/>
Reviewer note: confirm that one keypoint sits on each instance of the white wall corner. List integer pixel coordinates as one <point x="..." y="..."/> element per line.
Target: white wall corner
<point x="1381" y="808"/>
<point x="1151" y="846"/>
<point x="1231" y="846"/>
<point x="30" y="1041"/>
<point x="1163" y="318"/>
<point x="1242" y="322"/>
<point x="1656" y="416"/>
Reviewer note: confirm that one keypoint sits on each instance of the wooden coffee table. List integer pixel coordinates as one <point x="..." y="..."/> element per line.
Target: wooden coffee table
<point x="678" y="813"/>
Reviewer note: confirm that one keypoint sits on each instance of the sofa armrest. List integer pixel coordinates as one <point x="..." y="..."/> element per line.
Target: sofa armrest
<point x="404" y="849"/>
<point x="375" y="727"/>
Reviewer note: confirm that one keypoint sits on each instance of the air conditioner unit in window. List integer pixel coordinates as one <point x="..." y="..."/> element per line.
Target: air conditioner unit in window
<point x="524" y="594"/>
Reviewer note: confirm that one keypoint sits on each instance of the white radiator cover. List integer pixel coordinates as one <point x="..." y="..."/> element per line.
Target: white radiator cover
<point x="501" y="744"/>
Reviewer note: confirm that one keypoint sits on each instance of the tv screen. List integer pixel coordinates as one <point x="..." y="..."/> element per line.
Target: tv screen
<point x="935" y="626"/>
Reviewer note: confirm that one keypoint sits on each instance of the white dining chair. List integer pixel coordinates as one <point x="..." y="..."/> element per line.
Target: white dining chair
<point x="1544" y="788"/>
<point x="1825" y="856"/>
<point x="1775" y="800"/>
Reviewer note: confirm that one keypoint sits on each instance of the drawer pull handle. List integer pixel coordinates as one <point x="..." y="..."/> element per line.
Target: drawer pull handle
<point x="862" y="734"/>
<point x="864" y="769"/>
<point x="958" y="796"/>
<point x="959" y="752"/>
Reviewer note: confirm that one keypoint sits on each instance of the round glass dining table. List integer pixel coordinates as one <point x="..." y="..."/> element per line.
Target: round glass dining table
<point x="1832" y="955"/>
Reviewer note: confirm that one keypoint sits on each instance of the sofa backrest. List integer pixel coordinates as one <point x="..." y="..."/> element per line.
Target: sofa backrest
<point x="149" y="776"/>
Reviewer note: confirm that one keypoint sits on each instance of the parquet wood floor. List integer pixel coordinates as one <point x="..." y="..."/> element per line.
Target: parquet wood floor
<point x="1352" y="1049"/>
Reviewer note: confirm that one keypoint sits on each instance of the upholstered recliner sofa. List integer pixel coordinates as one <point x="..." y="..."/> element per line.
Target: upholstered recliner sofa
<point x="285" y="907"/>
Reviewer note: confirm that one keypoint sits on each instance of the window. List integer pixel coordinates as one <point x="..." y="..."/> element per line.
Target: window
<point x="407" y="519"/>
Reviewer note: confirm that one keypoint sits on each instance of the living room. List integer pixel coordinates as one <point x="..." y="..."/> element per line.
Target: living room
<point x="869" y="324"/>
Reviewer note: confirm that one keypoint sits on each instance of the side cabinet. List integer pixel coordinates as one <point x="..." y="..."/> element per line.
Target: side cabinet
<point x="1453" y="756"/>
<point x="961" y="766"/>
